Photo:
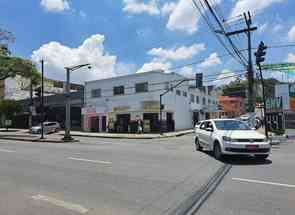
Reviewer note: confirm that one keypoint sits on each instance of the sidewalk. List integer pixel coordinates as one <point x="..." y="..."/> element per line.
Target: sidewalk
<point x="132" y="136"/>
<point x="24" y="135"/>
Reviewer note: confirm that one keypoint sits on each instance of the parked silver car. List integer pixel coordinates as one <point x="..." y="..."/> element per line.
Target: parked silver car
<point x="49" y="127"/>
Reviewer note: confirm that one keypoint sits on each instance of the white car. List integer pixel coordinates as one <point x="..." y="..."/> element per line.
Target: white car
<point x="231" y="137"/>
<point x="49" y="127"/>
<point x="197" y="125"/>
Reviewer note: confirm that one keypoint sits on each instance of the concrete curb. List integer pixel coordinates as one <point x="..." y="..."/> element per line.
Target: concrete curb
<point x="33" y="140"/>
<point x="192" y="204"/>
<point x="134" y="137"/>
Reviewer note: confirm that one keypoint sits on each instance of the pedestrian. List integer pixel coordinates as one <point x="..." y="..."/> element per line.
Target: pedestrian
<point x="139" y="126"/>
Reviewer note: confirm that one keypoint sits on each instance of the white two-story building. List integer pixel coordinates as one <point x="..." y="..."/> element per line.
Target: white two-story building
<point x="116" y="104"/>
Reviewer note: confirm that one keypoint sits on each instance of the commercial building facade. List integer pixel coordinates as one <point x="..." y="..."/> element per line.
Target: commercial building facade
<point x="231" y="106"/>
<point x="117" y="104"/>
<point x="18" y="89"/>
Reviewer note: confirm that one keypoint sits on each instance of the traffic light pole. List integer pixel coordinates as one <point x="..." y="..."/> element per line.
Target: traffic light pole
<point x="42" y="100"/>
<point x="264" y="101"/>
<point x="67" y="137"/>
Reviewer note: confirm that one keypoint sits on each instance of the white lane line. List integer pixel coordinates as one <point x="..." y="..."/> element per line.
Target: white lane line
<point x="60" y="203"/>
<point x="6" y="150"/>
<point x="263" y="182"/>
<point x="91" y="161"/>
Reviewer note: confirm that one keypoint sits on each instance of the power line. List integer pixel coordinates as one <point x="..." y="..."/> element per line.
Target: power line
<point x="213" y="30"/>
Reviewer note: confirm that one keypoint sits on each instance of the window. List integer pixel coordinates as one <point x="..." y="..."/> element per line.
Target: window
<point x="209" y="101"/>
<point x="192" y="98"/>
<point x="178" y="92"/>
<point x="95" y="93"/>
<point x="119" y="90"/>
<point x="197" y="99"/>
<point x="184" y="94"/>
<point x="141" y="87"/>
<point x="204" y="101"/>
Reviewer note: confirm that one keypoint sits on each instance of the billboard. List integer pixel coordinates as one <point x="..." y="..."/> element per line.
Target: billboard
<point x="292" y="96"/>
<point x="287" y="93"/>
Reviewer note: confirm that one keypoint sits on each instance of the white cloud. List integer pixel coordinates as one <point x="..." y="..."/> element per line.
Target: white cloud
<point x="225" y="77"/>
<point x="278" y="27"/>
<point x="167" y="8"/>
<point x="291" y="34"/>
<point x="291" y="58"/>
<point x="242" y="6"/>
<point x="55" y="5"/>
<point x="155" y="64"/>
<point x="262" y="28"/>
<point x="185" y="17"/>
<point x="58" y="56"/>
<point x="188" y="72"/>
<point x="138" y="7"/>
<point x="181" y="53"/>
<point x="212" y="60"/>
<point x="82" y="14"/>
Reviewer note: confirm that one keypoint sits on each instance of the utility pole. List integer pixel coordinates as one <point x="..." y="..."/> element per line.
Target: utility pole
<point x="251" y="99"/>
<point x="31" y="104"/>
<point x="248" y="31"/>
<point x="42" y="99"/>
<point x="67" y="137"/>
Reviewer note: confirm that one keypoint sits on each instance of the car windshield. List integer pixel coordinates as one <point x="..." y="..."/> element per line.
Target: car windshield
<point x="231" y="125"/>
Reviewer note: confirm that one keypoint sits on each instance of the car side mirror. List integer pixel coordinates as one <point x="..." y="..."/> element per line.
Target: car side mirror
<point x="209" y="129"/>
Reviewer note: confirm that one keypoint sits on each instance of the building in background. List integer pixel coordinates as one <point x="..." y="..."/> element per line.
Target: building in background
<point x="281" y="108"/>
<point x="18" y="89"/>
<point x="231" y="106"/>
<point x="117" y="104"/>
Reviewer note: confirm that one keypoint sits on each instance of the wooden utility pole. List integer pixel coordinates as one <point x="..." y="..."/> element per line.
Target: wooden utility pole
<point x="248" y="30"/>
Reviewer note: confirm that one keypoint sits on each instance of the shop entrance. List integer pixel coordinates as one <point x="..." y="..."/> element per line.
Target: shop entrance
<point x="196" y="117"/>
<point x="170" y="122"/>
<point x="103" y="123"/>
<point x="94" y="124"/>
<point x="154" y="121"/>
<point x="123" y="123"/>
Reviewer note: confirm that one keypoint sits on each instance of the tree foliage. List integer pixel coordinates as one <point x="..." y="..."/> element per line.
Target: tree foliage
<point x="9" y="107"/>
<point x="11" y="66"/>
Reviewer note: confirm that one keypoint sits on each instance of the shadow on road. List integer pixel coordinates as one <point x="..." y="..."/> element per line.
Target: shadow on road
<point x="241" y="160"/>
<point x="9" y="130"/>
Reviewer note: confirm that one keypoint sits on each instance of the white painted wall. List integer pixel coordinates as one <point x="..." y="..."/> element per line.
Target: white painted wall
<point x="282" y="90"/>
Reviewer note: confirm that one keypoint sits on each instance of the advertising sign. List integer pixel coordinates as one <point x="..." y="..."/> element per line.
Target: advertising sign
<point x="292" y="96"/>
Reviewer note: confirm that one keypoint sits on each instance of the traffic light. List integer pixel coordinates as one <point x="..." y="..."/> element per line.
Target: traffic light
<point x="38" y="93"/>
<point x="199" y="80"/>
<point x="260" y="53"/>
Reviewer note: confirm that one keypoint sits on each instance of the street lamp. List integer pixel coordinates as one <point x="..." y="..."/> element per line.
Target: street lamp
<point x="67" y="137"/>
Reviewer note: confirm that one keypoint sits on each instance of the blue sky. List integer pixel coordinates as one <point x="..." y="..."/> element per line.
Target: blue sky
<point x="126" y="36"/>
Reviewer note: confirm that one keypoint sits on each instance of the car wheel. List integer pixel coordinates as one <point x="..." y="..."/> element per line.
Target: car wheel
<point x="261" y="157"/>
<point x="217" y="151"/>
<point x="198" y="146"/>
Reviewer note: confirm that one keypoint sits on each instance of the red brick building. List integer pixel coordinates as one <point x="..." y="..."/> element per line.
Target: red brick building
<point x="231" y="106"/>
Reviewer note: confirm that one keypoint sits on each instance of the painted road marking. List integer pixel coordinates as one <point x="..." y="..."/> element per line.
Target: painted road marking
<point x="91" y="161"/>
<point x="60" y="203"/>
<point x="264" y="182"/>
<point x="6" y="150"/>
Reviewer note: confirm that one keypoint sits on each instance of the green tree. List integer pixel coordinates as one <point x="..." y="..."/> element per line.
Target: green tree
<point x="8" y="108"/>
<point x="11" y="66"/>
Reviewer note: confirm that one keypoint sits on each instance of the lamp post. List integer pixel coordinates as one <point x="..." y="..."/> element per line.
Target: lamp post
<point x="67" y="137"/>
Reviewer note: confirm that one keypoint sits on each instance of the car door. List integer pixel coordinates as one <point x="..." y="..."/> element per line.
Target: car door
<point x="208" y="135"/>
<point x="201" y="133"/>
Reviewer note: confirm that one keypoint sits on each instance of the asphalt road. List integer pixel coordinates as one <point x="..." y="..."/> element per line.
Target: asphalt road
<point x="101" y="176"/>
<point x="257" y="188"/>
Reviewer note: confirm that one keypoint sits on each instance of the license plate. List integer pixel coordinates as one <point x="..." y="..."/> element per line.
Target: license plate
<point x="252" y="147"/>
